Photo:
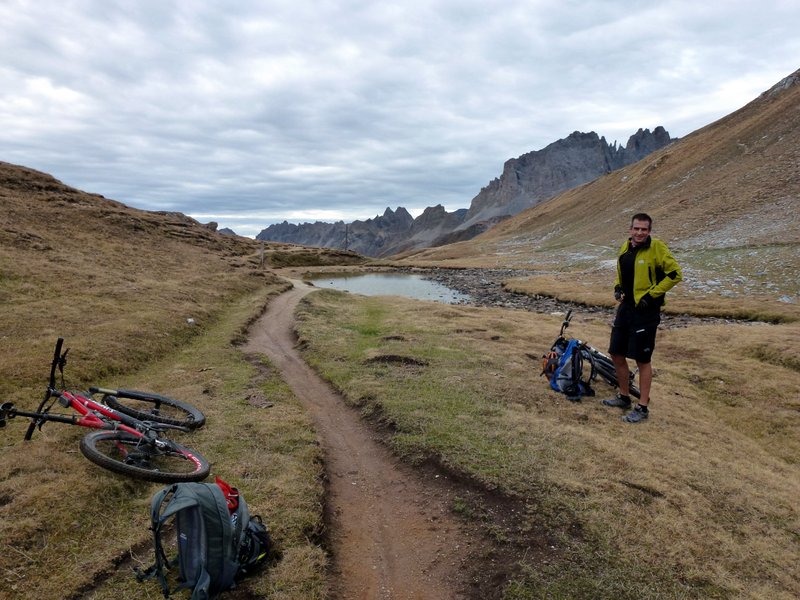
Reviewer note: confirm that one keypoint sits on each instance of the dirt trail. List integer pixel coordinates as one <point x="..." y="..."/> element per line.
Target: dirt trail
<point x="392" y="535"/>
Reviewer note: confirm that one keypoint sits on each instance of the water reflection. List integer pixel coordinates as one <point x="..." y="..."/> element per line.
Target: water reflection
<point x="410" y="285"/>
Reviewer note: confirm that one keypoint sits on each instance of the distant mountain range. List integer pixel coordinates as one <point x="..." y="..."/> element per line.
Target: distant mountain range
<point x="525" y="182"/>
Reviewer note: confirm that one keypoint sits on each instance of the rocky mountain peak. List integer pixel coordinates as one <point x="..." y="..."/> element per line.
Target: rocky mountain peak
<point x="525" y="181"/>
<point x="398" y="220"/>
<point x="566" y="163"/>
<point x="431" y="215"/>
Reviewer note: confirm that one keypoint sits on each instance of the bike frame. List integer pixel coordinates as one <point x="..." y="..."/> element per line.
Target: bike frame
<point x="91" y="414"/>
<point x="137" y="441"/>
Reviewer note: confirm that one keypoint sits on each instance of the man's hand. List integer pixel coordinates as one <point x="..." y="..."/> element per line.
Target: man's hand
<point x="618" y="295"/>
<point x="646" y="301"/>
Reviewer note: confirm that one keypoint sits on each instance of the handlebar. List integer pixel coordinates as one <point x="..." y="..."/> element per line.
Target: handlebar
<point x="97" y="390"/>
<point x="565" y="322"/>
<point x="156" y="426"/>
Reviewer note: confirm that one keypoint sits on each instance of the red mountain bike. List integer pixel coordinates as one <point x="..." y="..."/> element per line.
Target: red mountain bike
<point x="129" y="438"/>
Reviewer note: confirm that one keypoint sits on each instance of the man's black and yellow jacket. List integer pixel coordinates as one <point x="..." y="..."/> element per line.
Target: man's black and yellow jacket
<point x="655" y="272"/>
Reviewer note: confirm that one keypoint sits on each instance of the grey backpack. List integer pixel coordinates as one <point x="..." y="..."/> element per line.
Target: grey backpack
<point x="215" y="543"/>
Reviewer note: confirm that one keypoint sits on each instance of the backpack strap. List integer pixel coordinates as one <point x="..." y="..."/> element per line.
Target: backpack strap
<point x="162" y="563"/>
<point x="201" y="589"/>
<point x="165" y="504"/>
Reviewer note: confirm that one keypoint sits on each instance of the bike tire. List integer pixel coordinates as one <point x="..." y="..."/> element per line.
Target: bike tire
<point x="607" y="372"/>
<point x="601" y="365"/>
<point x="147" y="406"/>
<point x="131" y="455"/>
<point x="604" y="367"/>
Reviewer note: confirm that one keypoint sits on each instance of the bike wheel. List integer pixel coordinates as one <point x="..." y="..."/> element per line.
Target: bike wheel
<point x="607" y="372"/>
<point x="139" y="458"/>
<point x="146" y="406"/>
<point x="604" y="367"/>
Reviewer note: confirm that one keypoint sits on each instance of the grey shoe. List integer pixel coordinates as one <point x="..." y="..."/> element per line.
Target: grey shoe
<point x="618" y="401"/>
<point x="636" y="416"/>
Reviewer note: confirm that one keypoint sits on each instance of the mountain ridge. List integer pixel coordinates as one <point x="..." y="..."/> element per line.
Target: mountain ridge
<point x="525" y="181"/>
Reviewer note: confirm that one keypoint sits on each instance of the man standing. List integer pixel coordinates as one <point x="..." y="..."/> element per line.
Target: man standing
<point x="646" y="270"/>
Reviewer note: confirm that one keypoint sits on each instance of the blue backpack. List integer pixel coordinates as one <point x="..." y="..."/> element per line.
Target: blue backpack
<point x="216" y="541"/>
<point x="563" y="367"/>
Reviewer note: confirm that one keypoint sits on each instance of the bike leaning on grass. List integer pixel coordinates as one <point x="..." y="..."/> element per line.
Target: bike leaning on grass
<point x="564" y="366"/>
<point x="123" y="443"/>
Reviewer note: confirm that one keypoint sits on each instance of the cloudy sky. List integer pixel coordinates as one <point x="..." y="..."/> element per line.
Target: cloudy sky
<point x="253" y="112"/>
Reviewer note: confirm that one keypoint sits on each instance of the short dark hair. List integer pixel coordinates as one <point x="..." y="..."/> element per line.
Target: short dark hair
<point x="642" y="217"/>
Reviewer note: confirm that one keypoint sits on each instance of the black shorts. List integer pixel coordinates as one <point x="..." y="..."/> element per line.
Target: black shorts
<point x="633" y="333"/>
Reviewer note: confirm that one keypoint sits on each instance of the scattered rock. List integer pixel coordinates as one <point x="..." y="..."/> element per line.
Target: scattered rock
<point x="258" y="400"/>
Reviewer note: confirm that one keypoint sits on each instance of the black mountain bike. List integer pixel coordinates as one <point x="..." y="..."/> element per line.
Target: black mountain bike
<point x="128" y="439"/>
<point x="601" y="364"/>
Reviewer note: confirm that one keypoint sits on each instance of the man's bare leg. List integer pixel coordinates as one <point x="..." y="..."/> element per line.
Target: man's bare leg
<point x="623" y="373"/>
<point x="645" y="379"/>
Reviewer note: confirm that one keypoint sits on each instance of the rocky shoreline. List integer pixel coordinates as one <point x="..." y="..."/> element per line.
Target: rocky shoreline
<point x="485" y="288"/>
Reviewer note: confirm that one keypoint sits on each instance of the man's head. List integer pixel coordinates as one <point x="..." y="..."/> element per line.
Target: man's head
<point x="641" y="224"/>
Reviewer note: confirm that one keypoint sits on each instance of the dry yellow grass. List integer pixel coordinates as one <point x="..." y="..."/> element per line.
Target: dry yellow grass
<point x="68" y="527"/>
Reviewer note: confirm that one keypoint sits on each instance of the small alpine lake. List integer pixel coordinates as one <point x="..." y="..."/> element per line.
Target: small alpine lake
<point x="410" y="285"/>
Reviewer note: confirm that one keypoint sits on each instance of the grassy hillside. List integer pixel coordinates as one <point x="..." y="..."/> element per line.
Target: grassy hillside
<point x="117" y="282"/>
<point x="121" y="285"/>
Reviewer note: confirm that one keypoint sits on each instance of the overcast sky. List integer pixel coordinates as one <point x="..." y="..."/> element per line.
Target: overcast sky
<point x="249" y="113"/>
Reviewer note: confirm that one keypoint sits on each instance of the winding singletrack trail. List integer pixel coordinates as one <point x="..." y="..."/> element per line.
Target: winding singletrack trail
<point x="392" y="536"/>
